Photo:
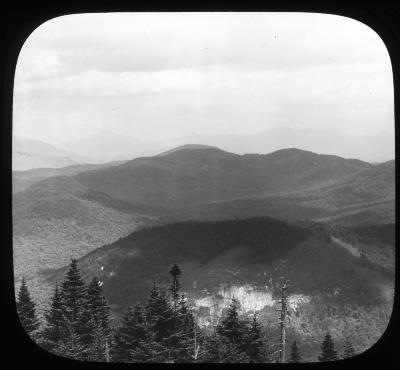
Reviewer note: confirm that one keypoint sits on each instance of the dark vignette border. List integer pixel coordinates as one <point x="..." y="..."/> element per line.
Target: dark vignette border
<point x="18" y="20"/>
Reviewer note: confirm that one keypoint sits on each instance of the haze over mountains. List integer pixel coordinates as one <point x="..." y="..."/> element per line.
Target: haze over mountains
<point x="29" y="153"/>
<point x="108" y="146"/>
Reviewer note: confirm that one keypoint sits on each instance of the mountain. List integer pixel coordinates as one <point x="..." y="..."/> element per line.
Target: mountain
<point x="365" y="197"/>
<point x="21" y="180"/>
<point x="109" y="146"/>
<point x="30" y="153"/>
<point x="58" y="218"/>
<point x="186" y="147"/>
<point x="236" y="253"/>
<point x="63" y="216"/>
<point x="194" y="175"/>
<point x="377" y="147"/>
<point x="195" y="205"/>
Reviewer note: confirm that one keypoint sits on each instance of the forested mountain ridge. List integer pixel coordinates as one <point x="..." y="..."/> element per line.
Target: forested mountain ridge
<point x="58" y="217"/>
<point x="233" y="252"/>
<point x="331" y="288"/>
<point x="97" y="206"/>
<point x="192" y="176"/>
<point x="191" y="183"/>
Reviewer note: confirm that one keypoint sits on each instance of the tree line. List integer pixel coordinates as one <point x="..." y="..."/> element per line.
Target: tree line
<point x="161" y="329"/>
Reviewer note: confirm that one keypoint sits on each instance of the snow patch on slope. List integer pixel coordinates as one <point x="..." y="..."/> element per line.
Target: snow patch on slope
<point x="251" y="298"/>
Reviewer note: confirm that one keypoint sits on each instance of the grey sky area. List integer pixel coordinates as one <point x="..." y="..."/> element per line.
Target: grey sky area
<point x="164" y="75"/>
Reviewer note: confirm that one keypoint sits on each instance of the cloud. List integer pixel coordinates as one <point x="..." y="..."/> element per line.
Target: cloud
<point x="177" y="73"/>
<point x="157" y="41"/>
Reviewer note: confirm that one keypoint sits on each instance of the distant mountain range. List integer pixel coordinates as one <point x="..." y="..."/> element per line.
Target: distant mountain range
<point x="29" y="153"/>
<point x="23" y="179"/>
<point x="108" y="146"/>
<point x="189" y="175"/>
<point x="84" y="207"/>
<point x="370" y="148"/>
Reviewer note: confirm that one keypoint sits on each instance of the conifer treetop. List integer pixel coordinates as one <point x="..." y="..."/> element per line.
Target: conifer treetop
<point x="26" y="309"/>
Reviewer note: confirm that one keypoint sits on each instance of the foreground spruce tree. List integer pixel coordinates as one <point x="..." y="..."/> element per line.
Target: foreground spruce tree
<point x="348" y="349"/>
<point x="73" y="293"/>
<point x="185" y="341"/>
<point x="129" y="337"/>
<point x="159" y="314"/>
<point x="218" y="349"/>
<point x="328" y="352"/>
<point x="55" y="329"/>
<point x="190" y="336"/>
<point x="253" y="341"/>
<point x="94" y="329"/>
<point x="26" y="310"/>
<point x="231" y="338"/>
<point x="294" y="354"/>
<point x="231" y="327"/>
<point x="175" y="285"/>
<point x="70" y="346"/>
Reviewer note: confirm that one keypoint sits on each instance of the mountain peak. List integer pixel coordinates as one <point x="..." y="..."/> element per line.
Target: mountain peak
<point x="190" y="147"/>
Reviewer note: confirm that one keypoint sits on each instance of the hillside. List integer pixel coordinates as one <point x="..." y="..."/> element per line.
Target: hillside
<point x="365" y="197"/>
<point x="330" y="288"/>
<point x="191" y="176"/>
<point x="233" y="253"/>
<point x="57" y="218"/>
<point x="95" y="206"/>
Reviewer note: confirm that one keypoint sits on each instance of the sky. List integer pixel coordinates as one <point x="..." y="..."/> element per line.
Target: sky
<point x="164" y="75"/>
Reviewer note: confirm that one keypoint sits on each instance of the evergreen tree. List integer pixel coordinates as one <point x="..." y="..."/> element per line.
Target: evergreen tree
<point x="26" y="310"/>
<point x="253" y="341"/>
<point x="294" y="354"/>
<point x="100" y="347"/>
<point x="159" y="314"/>
<point x="328" y="352"/>
<point x="175" y="285"/>
<point x="73" y="293"/>
<point x="129" y="336"/>
<point x="231" y="327"/>
<point x="185" y="334"/>
<point x="189" y="334"/>
<point x="55" y="329"/>
<point x="95" y="311"/>
<point x="219" y="349"/>
<point x="348" y="349"/>
<point x="93" y="325"/>
<point x="71" y="346"/>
